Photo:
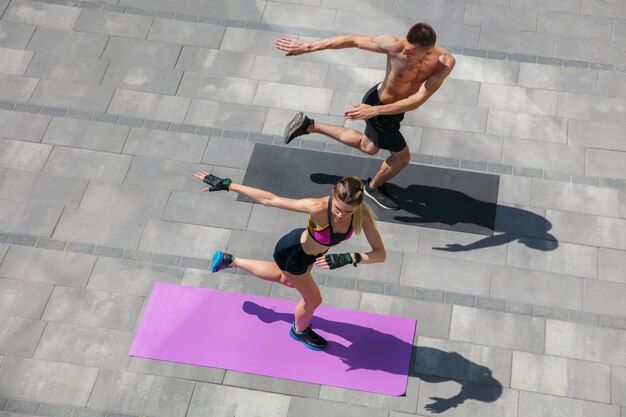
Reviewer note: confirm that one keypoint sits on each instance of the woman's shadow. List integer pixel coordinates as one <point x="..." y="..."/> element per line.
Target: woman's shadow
<point x="427" y="205"/>
<point x="367" y="348"/>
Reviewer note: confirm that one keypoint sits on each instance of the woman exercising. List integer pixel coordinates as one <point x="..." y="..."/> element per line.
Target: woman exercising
<point x="332" y="220"/>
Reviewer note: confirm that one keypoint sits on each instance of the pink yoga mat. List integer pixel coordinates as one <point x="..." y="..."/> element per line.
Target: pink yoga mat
<point x="248" y="333"/>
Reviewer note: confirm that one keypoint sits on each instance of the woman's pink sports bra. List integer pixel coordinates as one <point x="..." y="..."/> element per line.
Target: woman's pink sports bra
<point x="325" y="235"/>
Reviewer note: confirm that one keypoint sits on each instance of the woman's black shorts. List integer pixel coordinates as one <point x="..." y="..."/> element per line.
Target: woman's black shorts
<point x="289" y="255"/>
<point x="383" y="131"/>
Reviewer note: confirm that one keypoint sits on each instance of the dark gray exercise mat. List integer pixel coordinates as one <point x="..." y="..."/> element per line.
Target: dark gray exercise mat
<point x="434" y="197"/>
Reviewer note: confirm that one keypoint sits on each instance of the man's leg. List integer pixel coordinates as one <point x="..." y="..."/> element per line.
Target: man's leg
<point x="395" y="162"/>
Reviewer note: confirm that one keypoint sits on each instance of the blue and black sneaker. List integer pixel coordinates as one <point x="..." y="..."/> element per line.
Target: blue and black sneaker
<point x="308" y="338"/>
<point x="221" y="260"/>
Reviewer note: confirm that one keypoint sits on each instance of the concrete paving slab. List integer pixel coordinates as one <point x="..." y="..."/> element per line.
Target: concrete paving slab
<point x="546" y="405"/>
<point x="42" y="14"/>
<point x="575" y="197"/>
<point x="278" y="386"/>
<point x="183" y="239"/>
<point x="23" y="126"/>
<point x="255" y="245"/>
<point x="276" y="221"/>
<point x="48" y="190"/>
<point x="227" y="152"/>
<point x="72" y="95"/>
<point x="142" y="78"/>
<point x="612" y="265"/>
<point x="218" y="62"/>
<point x="23" y="299"/>
<point x="299" y="15"/>
<point x="505" y="330"/>
<point x="457" y="91"/>
<point x="135" y="394"/>
<point x="461" y="145"/>
<point x="604" y="163"/>
<point x="541" y="155"/>
<point x="64" y="42"/>
<point x="143" y="52"/>
<point x="167" y="145"/>
<point x="130" y="277"/>
<point x="86" y="346"/>
<point x="605" y="297"/>
<point x="285" y="96"/>
<point x="383" y="6"/>
<point x="186" y="33"/>
<point x="53" y="382"/>
<point x="226" y="115"/>
<point x="517" y="41"/>
<point x="291" y="71"/>
<point x="227" y="281"/>
<point x="217" y="87"/>
<point x="227" y="400"/>
<point x="590" y="230"/>
<point x="500" y="16"/>
<point x="449" y="116"/>
<point x="527" y="126"/>
<point x="518" y="99"/>
<point x="307" y="407"/>
<point x="424" y="10"/>
<point x="125" y="200"/>
<point x="485" y="70"/>
<point x="561" y="377"/>
<point x="367" y="23"/>
<point x="66" y="68"/>
<point x="23" y="217"/>
<point x="252" y="41"/>
<point x="547" y="77"/>
<point x="168" y="174"/>
<point x="333" y="297"/>
<point x="353" y="79"/>
<point x="115" y="24"/>
<point x="16" y="88"/>
<point x="47" y="266"/>
<point x="19" y="336"/>
<point x="176" y="370"/>
<point x="149" y="106"/>
<point x="443" y="243"/>
<point x="93" y="308"/>
<point x="565" y="24"/>
<point x="444" y="274"/>
<point x="207" y="211"/>
<point x="619" y="30"/>
<point x="591" y="107"/>
<point x="85" y="134"/>
<point x="618" y="385"/>
<point x="592" y="134"/>
<point x="15" y="35"/>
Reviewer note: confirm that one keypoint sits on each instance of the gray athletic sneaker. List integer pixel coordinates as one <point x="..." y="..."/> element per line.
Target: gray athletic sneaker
<point x="380" y="196"/>
<point x="297" y="127"/>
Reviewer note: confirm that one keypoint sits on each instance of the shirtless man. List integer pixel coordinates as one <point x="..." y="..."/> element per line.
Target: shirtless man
<point x="416" y="68"/>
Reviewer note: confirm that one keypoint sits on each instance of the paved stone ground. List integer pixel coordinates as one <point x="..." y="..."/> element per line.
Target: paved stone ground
<point x="107" y="108"/>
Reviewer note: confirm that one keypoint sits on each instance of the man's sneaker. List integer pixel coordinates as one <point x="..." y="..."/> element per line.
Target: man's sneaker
<point x="297" y="127"/>
<point x="221" y="261"/>
<point x="308" y="338"/>
<point x="380" y="196"/>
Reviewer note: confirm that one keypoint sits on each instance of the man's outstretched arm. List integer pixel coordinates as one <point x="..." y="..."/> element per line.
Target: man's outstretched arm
<point x="381" y="44"/>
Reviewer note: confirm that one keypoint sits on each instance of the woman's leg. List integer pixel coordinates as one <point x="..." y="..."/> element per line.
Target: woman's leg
<point x="311" y="297"/>
<point x="265" y="270"/>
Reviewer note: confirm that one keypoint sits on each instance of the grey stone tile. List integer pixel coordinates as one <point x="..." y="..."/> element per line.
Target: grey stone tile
<point x="207" y="210"/>
<point x="300" y="16"/>
<point x="130" y="277"/>
<point x="21" y="406"/>
<point x="445" y="274"/>
<point x="115" y="24"/>
<point x="45" y="243"/>
<point x="15" y="35"/>
<point x="95" y="227"/>
<point x="535" y="287"/>
<point x="349" y="78"/>
<point x="285" y="96"/>
<point x="149" y="106"/>
<point x="218" y="62"/>
<point x="53" y="410"/>
<point x="539" y="405"/>
<point x="604" y="297"/>
<point x="460" y="299"/>
<point x="585" y="49"/>
<point x="176" y="370"/>
<point x="518" y="99"/>
<point x="186" y="33"/>
<point x="20" y="298"/>
<point x="517" y="41"/>
<point x="66" y="68"/>
<point x="304" y="406"/>
<point x="457" y="91"/>
<point x="406" y="403"/>
<point x="52" y="382"/>
<point x="168" y="174"/>
<point x="83" y="97"/>
<point x="436" y="242"/>
<point x="543" y="155"/>
<point x="223" y="398"/>
<point x="19" y="336"/>
<point x="505" y="330"/>
<point x="22" y="240"/>
<point x="500" y="16"/>
<point x="26" y="217"/>
<point x="591" y="107"/>
<point x="565" y="24"/>
<point x="63" y="42"/>
<point x="81" y="163"/>
<point x="143" y="52"/>
<point x="16" y="88"/>
<point x="168" y="145"/>
<point x="42" y="189"/>
<point x="42" y="14"/>
<point x="23" y="126"/>
<point x="80" y="248"/>
<point x="433" y="319"/>
<point x="183" y="239"/>
<point x="605" y="163"/>
<point x="515" y="191"/>
<point x="558" y="78"/>
<point x="142" y="77"/>
<point x="255" y="245"/>
<point x="444" y="10"/>
<point x="369" y="23"/>
<point x="438" y="115"/>
<point x="618" y="385"/>
<point x="125" y="200"/>
<point x="575" y="197"/>
<point x="291" y="71"/>
<point x="612" y="265"/>
<point x="536" y="127"/>
<point x="217" y="87"/>
<point x="463" y="145"/>
<point x="223" y="115"/>
<point x="136" y="394"/>
<point x="228" y="153"/>
<point x="87" y="346"/>
<point x="279" y="386"/>
<point x="225" y="281"/>
<point x="93" y="308"/>
<point x="434" y="395"/>
<point x="276" y="221"/>
<point x="593" y="134"/>
<point x="590" y="229"/>
<point x="22" y="155"/>
<point x="86" y="134"/>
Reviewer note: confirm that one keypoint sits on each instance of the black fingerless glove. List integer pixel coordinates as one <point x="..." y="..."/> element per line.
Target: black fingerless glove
<point x="216" y="183"/>
<point x="337" y="260"/>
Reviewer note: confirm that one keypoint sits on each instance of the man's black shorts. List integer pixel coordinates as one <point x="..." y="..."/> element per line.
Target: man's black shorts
<point x="384" y="131"/>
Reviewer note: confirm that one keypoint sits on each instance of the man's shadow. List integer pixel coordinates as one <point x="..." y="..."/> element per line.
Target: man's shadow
<point x="422" y="204"/>
<point x="367" y="348"/>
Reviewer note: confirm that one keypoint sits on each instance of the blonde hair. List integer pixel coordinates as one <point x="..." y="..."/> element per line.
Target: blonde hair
<point x="349" y="190"/>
